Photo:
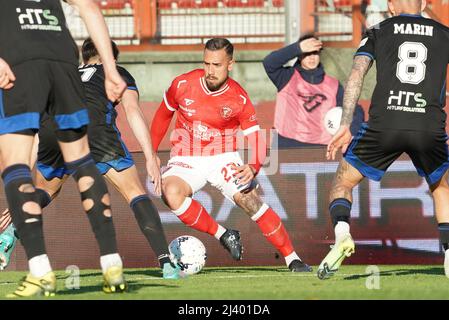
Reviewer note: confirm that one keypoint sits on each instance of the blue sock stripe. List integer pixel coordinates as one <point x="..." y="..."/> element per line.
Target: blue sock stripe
<point x="80" y="162"/>
<point x="344" y="203"/>
<point x="137" y="199"/>
<point x="443" y="228"/>
<point x="14" y="175"/>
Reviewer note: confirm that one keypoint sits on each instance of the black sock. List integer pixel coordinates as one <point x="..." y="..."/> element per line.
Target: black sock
<point x="28" y="226"/>
<point x="443" y="228"/>
<point x="44" y="198"/>
<point x="340" y="210"/>
<point x="150" y="224"/>
<point x="102" y="225"/>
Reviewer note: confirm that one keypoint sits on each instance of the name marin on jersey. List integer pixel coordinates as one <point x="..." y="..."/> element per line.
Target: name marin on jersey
<point x="38" y="19"/>
<point x="413" y="28"/>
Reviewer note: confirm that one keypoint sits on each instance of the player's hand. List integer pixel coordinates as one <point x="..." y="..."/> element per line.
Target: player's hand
<point x="115" y="86"/>
<point x="5" y="220"/>
<point x="310" y="45"/>
<point x="7" y="77"/>
<point x="244" y="174"/>
<point x="341" y="139"/>
<point x="154" y="172"/>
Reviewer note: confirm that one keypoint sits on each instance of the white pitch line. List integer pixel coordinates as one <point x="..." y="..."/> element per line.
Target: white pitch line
<point x="313" y="275"/>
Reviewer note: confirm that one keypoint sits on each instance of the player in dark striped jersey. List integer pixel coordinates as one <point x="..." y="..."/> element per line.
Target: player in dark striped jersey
<point x="112" y="157"/>
<point x="406" y="116"/>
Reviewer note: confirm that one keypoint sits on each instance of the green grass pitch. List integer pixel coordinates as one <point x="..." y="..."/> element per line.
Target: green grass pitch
<point x="258" y="283"/>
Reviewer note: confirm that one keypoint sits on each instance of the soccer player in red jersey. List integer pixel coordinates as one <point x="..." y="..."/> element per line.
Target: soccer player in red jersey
<point x="211" y="108"/>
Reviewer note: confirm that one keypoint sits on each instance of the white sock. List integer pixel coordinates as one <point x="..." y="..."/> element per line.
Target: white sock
<point x="39" y="266"/>
<point x="341" y="229"/>
<point x="292" y="256"/>
<point x="220" y="232"/>
<point x="110" y="260"/>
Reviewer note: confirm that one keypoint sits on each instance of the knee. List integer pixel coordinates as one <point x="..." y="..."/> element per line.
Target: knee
<point x="173" y="195"/>
<point x="441" y="186"/>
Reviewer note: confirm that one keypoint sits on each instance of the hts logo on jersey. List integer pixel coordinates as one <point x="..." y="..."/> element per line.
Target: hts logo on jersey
<point x="38" y="19"/>
<point x="403" y="101"/>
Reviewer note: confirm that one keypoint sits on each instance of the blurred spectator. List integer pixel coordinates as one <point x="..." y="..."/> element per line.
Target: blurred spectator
<point x="305" y="94"/>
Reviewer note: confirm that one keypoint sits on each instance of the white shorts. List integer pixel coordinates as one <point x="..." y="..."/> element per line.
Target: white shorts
<point x="196" y="171"/>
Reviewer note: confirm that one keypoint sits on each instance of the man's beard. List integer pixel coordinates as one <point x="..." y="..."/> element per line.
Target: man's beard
<point x="215" y="87"/>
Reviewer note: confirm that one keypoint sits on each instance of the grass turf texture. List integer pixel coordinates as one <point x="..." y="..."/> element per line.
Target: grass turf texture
<point x="396" y="282"/>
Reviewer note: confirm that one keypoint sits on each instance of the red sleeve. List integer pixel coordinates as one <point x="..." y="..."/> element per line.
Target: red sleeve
<point x="170" y="96"/>
<point x="160" y="124"/>
<point x="251" y="129"/>
<point x="247" y="117"/>
<point x="163" y="116"/>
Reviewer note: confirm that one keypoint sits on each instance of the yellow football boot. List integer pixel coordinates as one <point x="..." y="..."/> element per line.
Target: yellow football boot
<point x="331" y="263"/>
<point x="31" y="286"/>
<point x="114" y="281"/>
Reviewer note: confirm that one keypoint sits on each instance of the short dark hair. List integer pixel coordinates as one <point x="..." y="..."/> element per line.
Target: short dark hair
<point x="89" y="50"/>
<point x="215" y="44"/>
<point x="307" y="36"/>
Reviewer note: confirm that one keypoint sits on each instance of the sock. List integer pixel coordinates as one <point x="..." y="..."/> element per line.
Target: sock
<point x="28" y="224"/>
<point x="44" y="198"/>
<point x="341" y="229"/>
<point x="220" y="231"/>
<point x="340" y="210"/>
<point x="150" y="224"/>
<point x="163" y="259"/>
<point x="443" y="228"/>
<point x="273" y="229"/>
<point x="99" y="213"/>
<point x="39" y="266"/>
<point x="110" y="260"/>
<point x="292" y="256"/>
<point x="193" y="214"/>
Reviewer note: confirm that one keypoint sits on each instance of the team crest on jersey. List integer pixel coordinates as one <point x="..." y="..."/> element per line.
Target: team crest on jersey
<point x="188" y="102"/>
<point x="226" y="112"/>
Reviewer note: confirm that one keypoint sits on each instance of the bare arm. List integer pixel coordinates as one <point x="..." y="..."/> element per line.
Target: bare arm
<point x="354" y="86"/>
<point x="136" y="121"/>
<point x="343" y="136"/>
<point x="96" y="26"/>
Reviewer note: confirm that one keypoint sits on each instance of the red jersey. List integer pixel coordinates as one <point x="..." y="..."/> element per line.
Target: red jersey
<point x="208" y="121"/>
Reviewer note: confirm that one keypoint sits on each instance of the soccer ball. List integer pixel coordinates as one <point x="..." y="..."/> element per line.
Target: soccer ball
<point x="332" y="120"/>
<point x="189" y="253"/>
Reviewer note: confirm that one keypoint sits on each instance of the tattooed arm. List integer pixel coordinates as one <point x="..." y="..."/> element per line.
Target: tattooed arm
<point x="343" y="137"/>
<point x="354" y="86"/>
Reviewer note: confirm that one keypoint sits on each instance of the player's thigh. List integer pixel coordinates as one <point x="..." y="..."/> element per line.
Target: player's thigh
<point x="127" y="182"/>
<point x="222" y="176"/>
<point x="21" y="106"/>
<point x="372" y="151"/>
<point x="15" y="148"/>
<point x="183" y="176"/>
<point x="20" y="109"/>
<point x="430" y="155"/>
<point x="68" y="101"/>
<point x="68" y="108"/>
<point x="50" y="162"/>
